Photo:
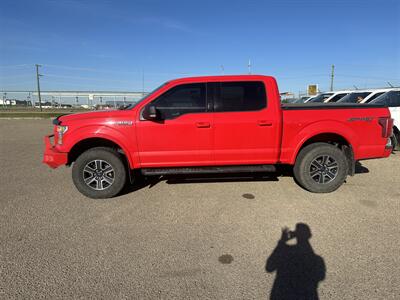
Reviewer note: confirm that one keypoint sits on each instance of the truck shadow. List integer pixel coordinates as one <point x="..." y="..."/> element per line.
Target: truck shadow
<point x="151" y="181"/>
<point x="360" y="169"/>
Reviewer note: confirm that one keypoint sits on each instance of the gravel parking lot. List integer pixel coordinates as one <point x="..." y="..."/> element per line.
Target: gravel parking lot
<point x="202" y="238"/>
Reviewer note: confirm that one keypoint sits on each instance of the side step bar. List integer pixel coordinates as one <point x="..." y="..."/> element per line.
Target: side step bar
<point x="209" y="170"/>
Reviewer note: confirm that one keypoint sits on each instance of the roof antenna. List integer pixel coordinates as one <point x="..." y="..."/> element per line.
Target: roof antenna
<point x="390" y="84"/>
<point x="249" y="66"/>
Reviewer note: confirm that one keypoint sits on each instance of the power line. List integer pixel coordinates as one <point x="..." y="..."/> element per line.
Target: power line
<point x="15" y="66"/>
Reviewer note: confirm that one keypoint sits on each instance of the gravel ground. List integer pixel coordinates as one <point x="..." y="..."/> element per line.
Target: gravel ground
<point x="204" y="238"/>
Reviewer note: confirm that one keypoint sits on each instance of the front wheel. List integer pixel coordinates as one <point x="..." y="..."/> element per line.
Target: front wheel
<point x="99" y="173"/>
<point x="321" y="168"/>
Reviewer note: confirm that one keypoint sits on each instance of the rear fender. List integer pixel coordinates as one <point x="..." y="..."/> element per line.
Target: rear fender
<point x="323" y="127"/>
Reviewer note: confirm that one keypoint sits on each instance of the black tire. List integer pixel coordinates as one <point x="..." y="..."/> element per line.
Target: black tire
<point x="394" y="141"/>
<point x="100" y="186"/>
<point x="310" y="168"/>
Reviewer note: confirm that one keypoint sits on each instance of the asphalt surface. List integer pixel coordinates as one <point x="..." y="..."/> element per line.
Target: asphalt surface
<point x="195" y="239"/>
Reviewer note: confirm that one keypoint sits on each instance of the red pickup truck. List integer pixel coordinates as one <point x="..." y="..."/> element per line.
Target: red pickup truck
<point x="217" y="124"/>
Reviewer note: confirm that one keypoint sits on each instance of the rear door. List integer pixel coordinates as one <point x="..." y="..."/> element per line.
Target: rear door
<point x="245" y="127"/>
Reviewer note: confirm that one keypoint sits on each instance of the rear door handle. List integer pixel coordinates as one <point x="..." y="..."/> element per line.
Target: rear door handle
<point x="203" y="125"/>
<point x="264" y="123"/>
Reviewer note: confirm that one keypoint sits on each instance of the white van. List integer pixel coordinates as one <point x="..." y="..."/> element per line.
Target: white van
<point x="391" y="99"/>
<point x="363" y="96"/>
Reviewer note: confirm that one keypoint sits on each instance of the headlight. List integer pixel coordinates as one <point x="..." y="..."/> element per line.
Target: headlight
<point x="61" y="130"/>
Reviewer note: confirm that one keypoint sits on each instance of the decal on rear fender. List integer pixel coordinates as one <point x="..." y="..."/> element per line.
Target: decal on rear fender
<point x="361" y="119"/>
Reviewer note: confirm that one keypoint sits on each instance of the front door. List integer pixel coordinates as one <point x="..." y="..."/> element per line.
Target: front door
<point x="183" y="134"/>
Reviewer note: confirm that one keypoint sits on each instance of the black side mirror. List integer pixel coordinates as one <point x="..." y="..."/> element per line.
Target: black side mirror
<point x="151" y="113"/>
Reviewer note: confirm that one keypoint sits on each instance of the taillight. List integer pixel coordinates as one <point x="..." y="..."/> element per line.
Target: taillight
<point x="387" y="126"/>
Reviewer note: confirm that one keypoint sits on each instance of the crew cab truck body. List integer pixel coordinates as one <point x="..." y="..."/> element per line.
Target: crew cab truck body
<point x="217" y="124"/>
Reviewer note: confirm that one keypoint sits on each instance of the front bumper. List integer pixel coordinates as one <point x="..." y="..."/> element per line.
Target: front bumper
<point x="51" y="156"/>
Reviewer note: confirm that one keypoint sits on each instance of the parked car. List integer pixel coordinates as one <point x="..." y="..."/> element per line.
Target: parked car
<point x="363" y="96"/>
<point x="217" y="124"/>
<point x="391" y="99"/>
<point x="304" y="99"/>
<point x="328" y="97"/>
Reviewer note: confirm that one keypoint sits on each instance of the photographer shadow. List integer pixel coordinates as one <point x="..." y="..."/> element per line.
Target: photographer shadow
<point x="298" y="269"/>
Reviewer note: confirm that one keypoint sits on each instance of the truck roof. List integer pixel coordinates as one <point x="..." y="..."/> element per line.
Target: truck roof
<point x="221" y="78"/>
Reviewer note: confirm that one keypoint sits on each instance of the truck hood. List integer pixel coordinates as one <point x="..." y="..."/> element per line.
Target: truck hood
<point x="101" y="114"/>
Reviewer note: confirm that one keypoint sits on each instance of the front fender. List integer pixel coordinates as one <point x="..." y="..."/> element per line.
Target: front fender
<point x="125" y="140"/>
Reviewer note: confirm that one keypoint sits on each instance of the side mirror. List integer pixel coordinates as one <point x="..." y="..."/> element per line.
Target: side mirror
<point x="150" y="113"/>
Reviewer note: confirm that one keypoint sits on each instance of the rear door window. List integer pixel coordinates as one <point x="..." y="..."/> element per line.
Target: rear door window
<point x="374" y="97"/>
<point x="355" y="97"/>
<point x="321" y="97"/>
<point x="394" y="99"/>
<point x="239" y="96"/>
<point x="390" y="99"/>
<point x="337" y="97"/>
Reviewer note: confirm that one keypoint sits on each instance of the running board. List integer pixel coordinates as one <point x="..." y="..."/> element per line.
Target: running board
<point x="209" y="170"/>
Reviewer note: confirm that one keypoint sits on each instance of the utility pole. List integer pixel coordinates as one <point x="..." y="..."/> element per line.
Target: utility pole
<point x="249" y="66"/>
<point x="222" y="69"/>
<point x="4" y="99"/>
<point x="38" y="85"/>
<point x="28" y="99"/>
<point x="332" y="76"/>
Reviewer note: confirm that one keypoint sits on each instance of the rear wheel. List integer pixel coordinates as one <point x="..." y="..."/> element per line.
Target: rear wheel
<point x="321" y="168"/>
<point x="99" y="173"/>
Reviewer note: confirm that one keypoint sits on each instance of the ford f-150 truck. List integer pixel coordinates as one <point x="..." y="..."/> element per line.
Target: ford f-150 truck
<point x="217" y="124"/>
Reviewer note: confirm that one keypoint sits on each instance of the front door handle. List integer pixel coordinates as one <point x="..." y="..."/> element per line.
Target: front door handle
<point x="264" y="123"/>
<point x="203" y="125"/>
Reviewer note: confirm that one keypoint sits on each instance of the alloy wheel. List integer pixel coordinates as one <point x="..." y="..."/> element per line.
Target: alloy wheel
<point x="98" y="174"/>
<point x="323" y="169"/>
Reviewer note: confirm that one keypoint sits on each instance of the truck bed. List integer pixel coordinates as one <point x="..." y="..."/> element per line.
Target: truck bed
<point x="311" y="106"/>
<point x="357" y="124"/>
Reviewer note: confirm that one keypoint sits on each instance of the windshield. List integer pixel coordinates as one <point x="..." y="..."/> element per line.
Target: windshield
<point x="130" y="106"/>
<point x="354" y="97"/>
<point x="390" y="99"/>
<point x="321" y="97"/>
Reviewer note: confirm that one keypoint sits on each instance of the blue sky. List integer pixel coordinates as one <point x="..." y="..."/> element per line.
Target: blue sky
<point x="108" y="45"/>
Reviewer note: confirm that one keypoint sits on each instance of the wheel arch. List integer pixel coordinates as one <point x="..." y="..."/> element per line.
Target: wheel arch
<point x="335" y="139"/>
<point x="97" y="141"/>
